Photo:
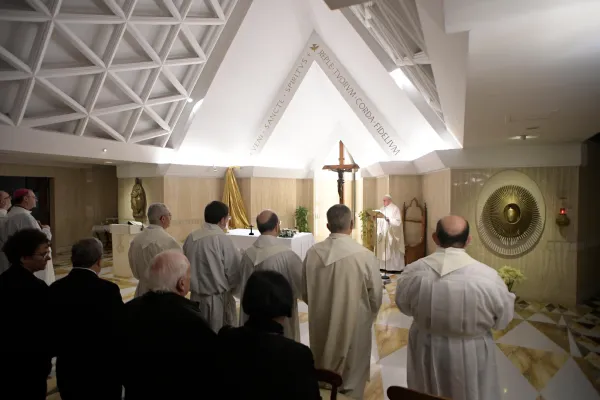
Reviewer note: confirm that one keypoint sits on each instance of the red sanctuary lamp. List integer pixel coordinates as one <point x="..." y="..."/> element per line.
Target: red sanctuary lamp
<point x="562" y="219"/>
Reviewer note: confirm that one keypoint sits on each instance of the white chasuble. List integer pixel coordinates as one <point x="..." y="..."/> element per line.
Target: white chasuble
<point x="152" y="241"/>
<point x="18" y="219"/>
<point x="342" y="287"/>
<point x="215" y="262"/>
<point x="390" y="247"/>
<point x="455" y="301"/>
<point x="266" y="254"/>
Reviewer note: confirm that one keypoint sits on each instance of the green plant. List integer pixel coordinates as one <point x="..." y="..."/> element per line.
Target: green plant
<point x="510" y="276"/>
<point x="301" y="216"/>
<point x="366" y="230"/>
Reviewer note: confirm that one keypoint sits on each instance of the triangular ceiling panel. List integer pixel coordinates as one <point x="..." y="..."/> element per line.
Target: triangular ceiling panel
<point x="76" y="87"/>
<point x="118" y="90"/>
<point x="130" y="51"/>
<point x="151" y="8"/>
<point x="95" y="36"/>
<point x="163" y="87"/>
<point x="17" y="40"/>
<point x="9" y="90"/>
<point x="154" y="35"/>
<point x="83" y="6"/>
<point x="62" y="53"/>
<point x="182" y="48"/>
<point x="44" y="103"/>
<point x="205" y="9"/>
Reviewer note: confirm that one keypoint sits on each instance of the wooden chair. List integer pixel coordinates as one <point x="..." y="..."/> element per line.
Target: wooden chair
<point x="415" y="230"/>
<point x="402" y="393"/>
<point x="332" y="379"/>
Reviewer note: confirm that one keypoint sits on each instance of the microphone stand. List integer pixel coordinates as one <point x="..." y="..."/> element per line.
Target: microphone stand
<point x="384" y="276"/>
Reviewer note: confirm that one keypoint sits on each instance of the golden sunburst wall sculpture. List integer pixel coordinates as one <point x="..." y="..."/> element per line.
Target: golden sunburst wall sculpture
<point x="511" y="214"/>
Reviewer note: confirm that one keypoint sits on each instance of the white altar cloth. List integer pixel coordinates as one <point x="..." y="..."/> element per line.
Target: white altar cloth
<point x="299" y="244"/>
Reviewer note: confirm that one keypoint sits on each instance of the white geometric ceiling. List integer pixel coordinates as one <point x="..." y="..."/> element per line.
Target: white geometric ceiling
<point x="112" y="69"/>
<point x="395" y="25"/>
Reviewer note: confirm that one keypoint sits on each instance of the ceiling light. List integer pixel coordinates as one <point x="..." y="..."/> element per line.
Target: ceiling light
<point x="197" y="106"/>
<point x="401" y="80"/>
<point x="522" y="137"/>
<point x="104" y="150"/>
<point x="108" y="162"/>
<point x="189" y="100"/>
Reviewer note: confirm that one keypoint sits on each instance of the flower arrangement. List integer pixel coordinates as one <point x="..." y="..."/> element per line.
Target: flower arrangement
<point x="286" y="233"/>
<point x="510" y="276"/>
<point x="366" y="231"/>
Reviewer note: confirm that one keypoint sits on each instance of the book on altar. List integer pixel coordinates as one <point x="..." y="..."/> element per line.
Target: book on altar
<point x="376" y="213"/>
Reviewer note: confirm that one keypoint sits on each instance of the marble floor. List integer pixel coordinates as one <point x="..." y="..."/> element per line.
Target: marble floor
<point x="548" y="352"/>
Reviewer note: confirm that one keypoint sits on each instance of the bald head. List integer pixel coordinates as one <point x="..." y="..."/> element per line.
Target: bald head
<point x="268" y="223"/>
<point x="452" y="231"/>
<point x="4" y="200"/>
<point x="170" y="272"/>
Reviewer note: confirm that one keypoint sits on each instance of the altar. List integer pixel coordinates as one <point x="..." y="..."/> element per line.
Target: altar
<point x="299" y="244"/>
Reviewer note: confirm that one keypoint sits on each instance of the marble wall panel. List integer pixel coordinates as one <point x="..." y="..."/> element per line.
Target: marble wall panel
<point x="187" y="197"/>
<point x="588" y="256"/>
<point x="436" y="195"/>
<point x="551" y="267"/>
<point x="81" y="198"/>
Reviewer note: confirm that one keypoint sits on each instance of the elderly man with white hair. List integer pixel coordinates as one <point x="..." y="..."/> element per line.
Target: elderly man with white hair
<point x="172" y="349"/>
<point x="153" y="240"/>
<point x="390" y="246"/>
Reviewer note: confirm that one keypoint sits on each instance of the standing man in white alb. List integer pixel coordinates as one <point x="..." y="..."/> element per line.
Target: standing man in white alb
<point x="154" y="239"/>
<point x="215" y="267"/>
<point x="4" y="204"/>
<point x="342" y="286"/>
<point x="268" y="254"/>
<point x="19" y="217"/>
<point x="390" y="237"/>
<point x="455" y="301"/>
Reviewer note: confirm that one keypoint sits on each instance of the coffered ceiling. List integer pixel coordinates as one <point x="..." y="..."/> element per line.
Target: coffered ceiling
<point x="120" y="70"/>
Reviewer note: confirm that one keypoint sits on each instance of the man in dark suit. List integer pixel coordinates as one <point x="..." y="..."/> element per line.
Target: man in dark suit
<point x="24" y="318"/>
<point x="171" y="350"/>
<point x="88" y="311"/>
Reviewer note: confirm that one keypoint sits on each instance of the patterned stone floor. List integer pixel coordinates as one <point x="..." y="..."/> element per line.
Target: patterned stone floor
<point x="548" y="352"/>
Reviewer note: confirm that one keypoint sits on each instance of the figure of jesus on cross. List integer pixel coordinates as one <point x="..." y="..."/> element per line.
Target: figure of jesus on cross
<point x="340" y="169"/>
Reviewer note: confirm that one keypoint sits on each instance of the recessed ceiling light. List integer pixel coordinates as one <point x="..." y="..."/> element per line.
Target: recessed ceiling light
<point x="104" y="150"/>
<point x="523" y="137"/>
<point x="189" y="100"/>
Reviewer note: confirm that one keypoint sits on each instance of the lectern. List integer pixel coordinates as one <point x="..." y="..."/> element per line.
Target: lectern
<point x="379" y="214"/>
<point x="122" y="235"/>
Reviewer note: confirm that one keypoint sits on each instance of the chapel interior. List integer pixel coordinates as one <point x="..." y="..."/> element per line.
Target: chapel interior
<point x="485" y="109"/>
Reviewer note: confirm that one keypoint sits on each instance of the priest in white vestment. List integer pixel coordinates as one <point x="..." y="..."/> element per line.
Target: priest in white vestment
<point x="154" y="239"/>
<point x="342" y="287"/>
<point x="268" y="254"/>
<point x="19" y="217"/>
<point x="4" y="204"/>
<point x="215" y="264"/>
<point x="390" y="246"/>
<point x="455" y="301"/>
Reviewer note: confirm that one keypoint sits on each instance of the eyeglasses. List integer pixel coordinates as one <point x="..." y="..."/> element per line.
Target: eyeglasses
<point x="43" y="255"/>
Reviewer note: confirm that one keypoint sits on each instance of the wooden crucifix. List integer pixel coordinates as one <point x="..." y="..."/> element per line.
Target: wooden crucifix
<point x="340" y="169"/>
